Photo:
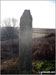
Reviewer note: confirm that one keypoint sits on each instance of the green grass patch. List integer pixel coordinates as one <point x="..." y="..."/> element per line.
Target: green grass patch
<point x="43" y="66"/>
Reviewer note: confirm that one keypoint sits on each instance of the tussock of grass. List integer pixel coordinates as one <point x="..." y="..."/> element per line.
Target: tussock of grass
<point x="43" y="66"/>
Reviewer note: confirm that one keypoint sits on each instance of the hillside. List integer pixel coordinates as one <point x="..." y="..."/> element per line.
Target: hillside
<point x="8" y="33"/>
<point x="43" y="52"/>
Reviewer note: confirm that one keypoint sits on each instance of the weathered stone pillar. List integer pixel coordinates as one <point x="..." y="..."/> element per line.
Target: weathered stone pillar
<point x="25" y="43"/>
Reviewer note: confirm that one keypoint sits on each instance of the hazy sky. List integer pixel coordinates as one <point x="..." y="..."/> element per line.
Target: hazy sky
<point x="43" y="12"/>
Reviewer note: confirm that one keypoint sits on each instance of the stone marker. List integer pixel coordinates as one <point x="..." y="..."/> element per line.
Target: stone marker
<point x="25" y="43"/>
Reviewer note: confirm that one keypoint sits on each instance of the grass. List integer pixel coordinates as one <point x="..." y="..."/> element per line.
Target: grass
<point x="11" y="66"/>
<point x="43" y="66"/>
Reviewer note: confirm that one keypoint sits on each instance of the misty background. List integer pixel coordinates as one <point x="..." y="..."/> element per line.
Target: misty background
<point x="43" y="12"/>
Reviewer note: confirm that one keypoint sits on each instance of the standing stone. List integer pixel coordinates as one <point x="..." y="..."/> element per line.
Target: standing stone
<point x="25" y="43"/>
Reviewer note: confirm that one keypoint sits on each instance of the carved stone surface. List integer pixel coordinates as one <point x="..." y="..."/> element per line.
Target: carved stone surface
<point x="25" y="43"/>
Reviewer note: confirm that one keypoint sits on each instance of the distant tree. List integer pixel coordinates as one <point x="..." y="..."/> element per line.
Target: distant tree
<point x="7" y="22"/>
<point x="10" y="22"/>
<point x="14" y="21"/>
<point x="10" y="29"/>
